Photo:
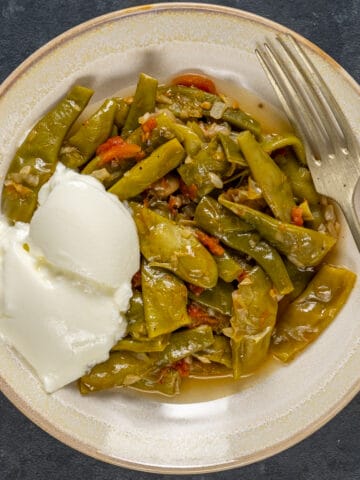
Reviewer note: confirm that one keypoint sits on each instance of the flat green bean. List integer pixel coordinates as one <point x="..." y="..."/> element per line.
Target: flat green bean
<point x="308" y="316"/>
<point x="136" y="326"/>
<point x="229" y="267"/>
<point x="81" y="146"/>
<point x="143" y="102"/>
<point x="165" y="299"/>
<point x="218" y="352"/>
<point x="156" y="344"/>
<point x="174" y="247"/>
<point x="233" y="232"/>
<point x="302" y="246"/>
<point x="190" y="102"/>
<point x="272" y="143"/>
<point x="36" y="158"/>
<point x="302" y="185"/>
<point x="252" y="324"/>
<point x="164" y="159"/>
<point x="272" y="181"/>
<point x="165" y="381"/>
<point x="185" y="343"/>
<point x="121" y="369"/>
<point x="218" y="298"/>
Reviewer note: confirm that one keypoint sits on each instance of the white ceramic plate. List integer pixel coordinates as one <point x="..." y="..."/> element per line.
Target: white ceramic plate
<point x="232" y="425"/>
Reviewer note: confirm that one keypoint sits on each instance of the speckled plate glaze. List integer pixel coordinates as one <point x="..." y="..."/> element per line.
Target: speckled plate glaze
<point x="231" y="425"/>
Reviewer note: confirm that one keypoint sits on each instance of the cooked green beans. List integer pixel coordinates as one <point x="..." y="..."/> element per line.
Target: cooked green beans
<point x="232" y="232"/>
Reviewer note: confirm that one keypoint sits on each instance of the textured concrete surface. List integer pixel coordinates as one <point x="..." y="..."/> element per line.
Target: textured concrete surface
<point x="26" y="452"/>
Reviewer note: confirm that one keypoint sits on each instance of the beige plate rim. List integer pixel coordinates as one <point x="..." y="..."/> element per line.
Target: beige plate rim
<point x="44" y="423"/>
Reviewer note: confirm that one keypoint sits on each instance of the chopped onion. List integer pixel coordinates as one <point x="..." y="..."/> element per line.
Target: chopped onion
<point x="101" y="174"/>
<point x="215" y="180"/>
<point x="144" y="118"/>
<point x="329" y="213"/>
<point x="254" y="191"/>
<point x="217" y="110"/>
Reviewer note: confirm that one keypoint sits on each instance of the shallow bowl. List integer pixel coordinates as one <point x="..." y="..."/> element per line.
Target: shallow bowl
<point x="230" y="424"/>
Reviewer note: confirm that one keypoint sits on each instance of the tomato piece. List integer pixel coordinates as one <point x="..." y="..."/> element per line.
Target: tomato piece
<point x="120" y="152"/>
<point x="149" y="125"/>
<point x="189" y="191"/>
<point x="183" y="367"/>
<point x="199" y="316"/>
<point x="195" y="289"/>
<point x="195" y="80"/>
<point x="297" y="216"/>
<point x="110" y="142"/>
<point x="212" y="243"/>
<point x="136" y="280"/>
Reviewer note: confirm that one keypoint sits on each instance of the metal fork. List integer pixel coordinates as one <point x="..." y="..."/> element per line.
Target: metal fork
<point x="332" y="150"/>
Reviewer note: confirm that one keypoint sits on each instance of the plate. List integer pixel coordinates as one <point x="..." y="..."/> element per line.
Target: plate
<point x="230" y="424"/>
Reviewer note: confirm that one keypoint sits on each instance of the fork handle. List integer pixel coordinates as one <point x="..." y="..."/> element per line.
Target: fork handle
<point x="352" y="219"/>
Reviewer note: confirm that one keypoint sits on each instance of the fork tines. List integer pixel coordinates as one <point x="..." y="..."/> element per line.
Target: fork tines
<point x="307" y="100"/>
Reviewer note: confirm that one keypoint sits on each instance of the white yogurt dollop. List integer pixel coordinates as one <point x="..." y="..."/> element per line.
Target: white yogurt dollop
<point x="66" y="278"/>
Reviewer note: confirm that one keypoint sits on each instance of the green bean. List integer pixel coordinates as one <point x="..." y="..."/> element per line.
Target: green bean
<point x="272" y="181"/>
<point x="299" y="177"/>
<point x="232" y="150"/>
<point x="114" y="131"/>
<point x="186" y="136"/>
<point x="305" y="318"/>
<point x="190" y="102"/>
<point x="165" y="299"/>
<point x="217" y="298"/>
<point x="185" y="343"/>
<point x="211" y="370"/>
<point x="302" y="185"/>
<point x="165" y="381"/>
<point x="144" y="102"/>
<point x="121" y="369"/>
<point x="183" y="102"/>
<point x="219" y="352"/>
<point x="148" y="143"/>
<point x="302" y="246"/>
<point x="177" y="131"/>
<point x="136" y="326"/>
<point x="121" y="113"/>
<point x="241" y="120"/>
<point x="252" y="324"/>
<point x="164" y="159"/>
<point x="156" y="344"/>
<point x="272" y="143"/>
<point x="174" y="247"/>
<point x="108" y="174"/>
<point x="229" y="267"/>
<point x="196" y="128"/>
<point x="233" y="232"/>
<point x="36" y="158"/>
<point x="300" y="277"/>
<point x="81" y="146"/>
<point x="204" y="170"/>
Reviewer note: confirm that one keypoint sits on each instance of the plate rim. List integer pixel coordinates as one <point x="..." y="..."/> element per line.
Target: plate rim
<point x="11" y="394"/>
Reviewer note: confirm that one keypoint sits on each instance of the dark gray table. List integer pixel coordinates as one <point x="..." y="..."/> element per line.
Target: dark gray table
<point x="26" y="452"/>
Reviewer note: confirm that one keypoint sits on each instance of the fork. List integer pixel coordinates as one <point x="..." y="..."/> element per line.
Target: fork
<point x="332" y="149"/>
